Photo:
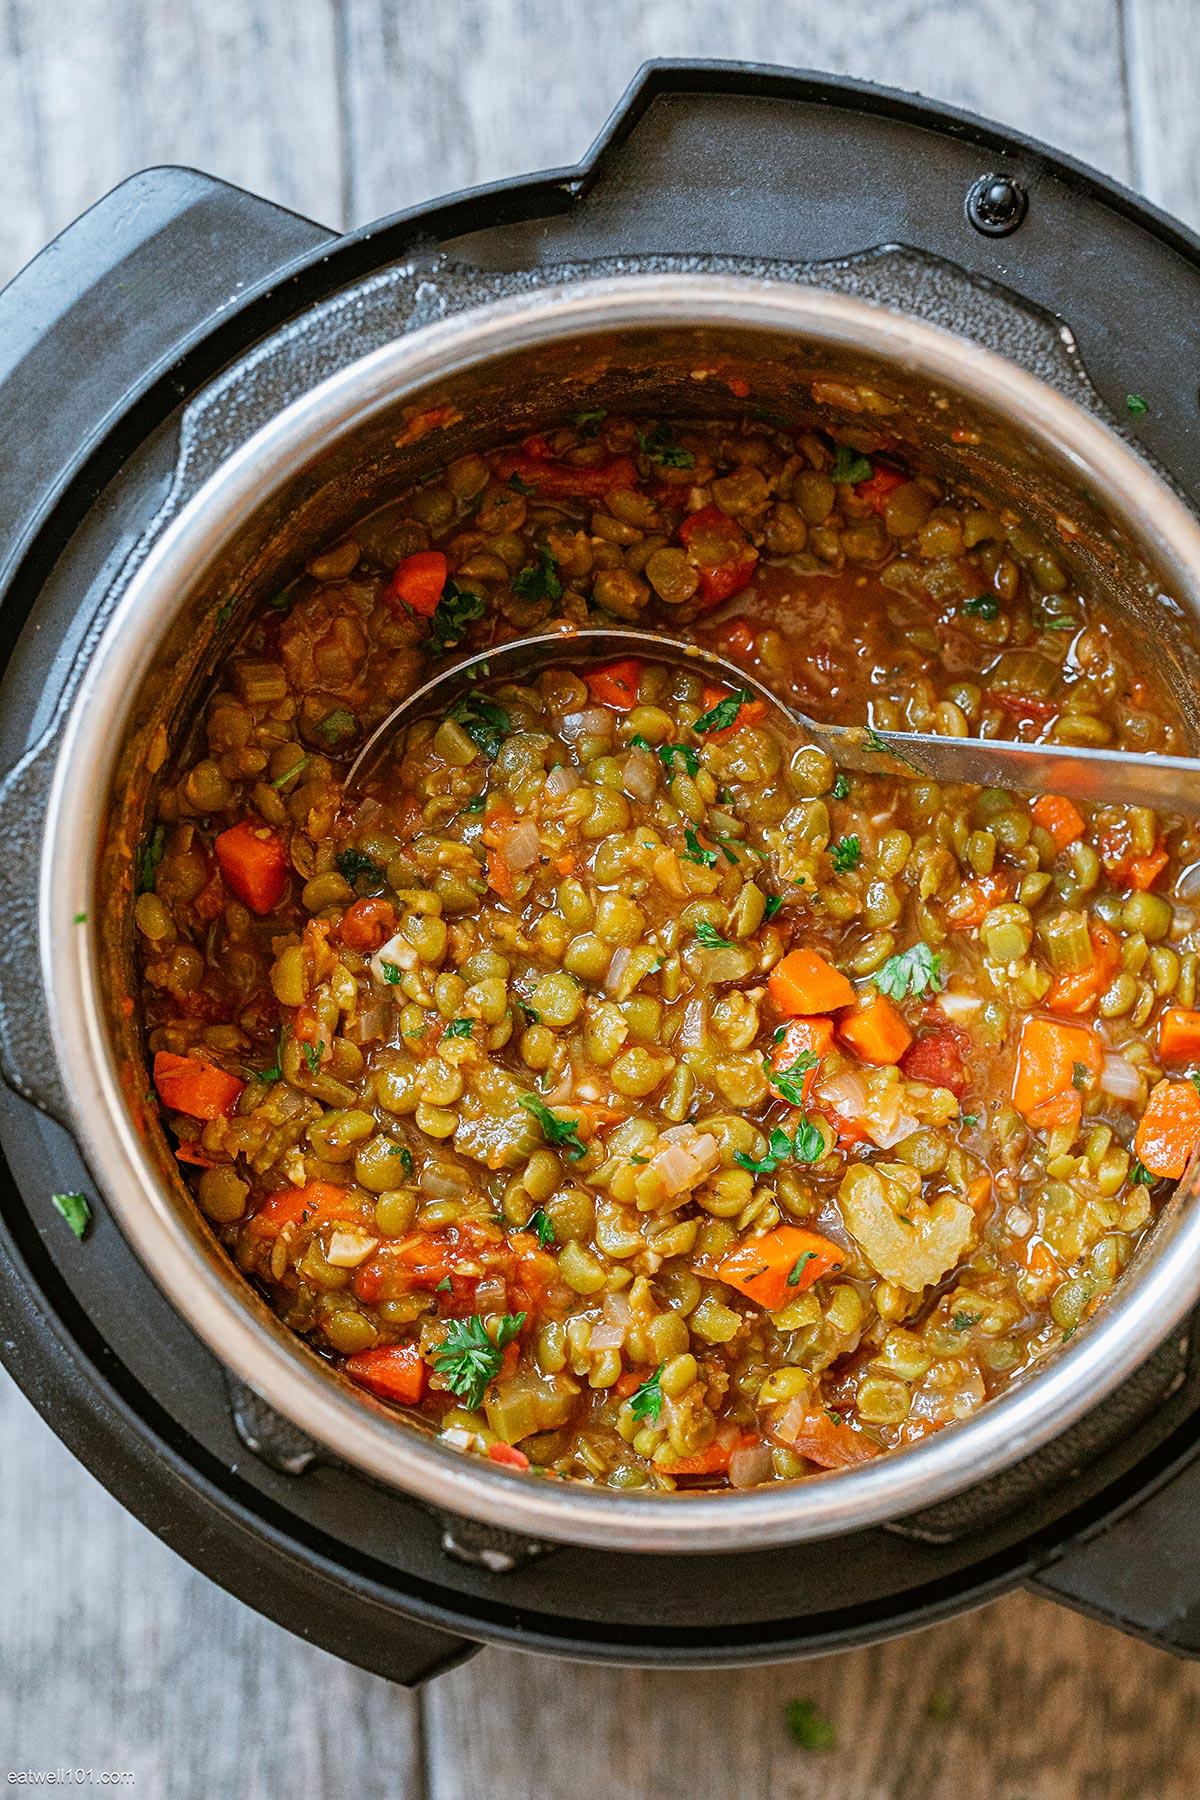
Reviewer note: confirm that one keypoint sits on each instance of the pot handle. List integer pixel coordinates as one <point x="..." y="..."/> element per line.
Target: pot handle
<point x="1141" y="1573"/>
<point x="106" y="314"/>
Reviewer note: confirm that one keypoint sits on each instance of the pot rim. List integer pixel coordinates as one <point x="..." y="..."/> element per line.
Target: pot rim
<point x="208" y="1291"/>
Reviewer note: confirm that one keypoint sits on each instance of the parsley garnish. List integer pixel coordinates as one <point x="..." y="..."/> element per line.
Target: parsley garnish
<point x="850" y="466"/>
<point x="555" y="1130"/>
<point x="589" y="419"/>
<point x="312" y="1055"/>
<point x="875" y="742"/>
<point x="444" y="1286"/>
<point x="963" y="1321"/>
<point x="840" y="788"/>
<point x="75" y="1210"/>
<point x="808" y="1146"/>
<point x="148" y="858"/>
<point x="785" y="1081"/>
<point x="809" y="1727"/>
<point x="1044" y="621"/>
<point x="539" y="581"/>
<point x="460" y="1028"/>
<point x="646" y="1402"/>
<point x="639" y="1161"/>
<point x="798" y="1267"/>
<point x="1136" y="405"/>
<point x="297" y="768"/>
<point x="772" y="907"/>
<point x="470" y="1360"/>
<point x="731" y="845"/>
<point x="710" y="937"/>
<point x="476" y="805"/>
<point x="983" y="606"/>
<point x="275" y="1072"/>
<point x="338" y="724"/>
<point x="280" y="602"/>
<point x="521" y="487"/>
<point x="355" y="866"/>
<point x="392" y="972"/>
<point x="667" y="753"/>
<point x="914" y="971"/>
<point x="530" y="1014"/>
<point x="1140" y="1175"/>
<point x="845" y="854"/>
<point x="544" y="1226"/>
<point x="456" y="610"/>
<point x="80" y="918"/>
<point x="486" y="724"/>
<point x="662" y="449"/>
<point x="696" y="852"/>
<point x="724" y="713"/>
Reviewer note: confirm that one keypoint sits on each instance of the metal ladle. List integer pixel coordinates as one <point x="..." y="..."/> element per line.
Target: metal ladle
<point x="1100" y="777"/>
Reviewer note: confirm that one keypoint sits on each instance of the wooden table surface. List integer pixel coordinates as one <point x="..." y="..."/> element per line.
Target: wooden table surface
<point x="116" y="1656"/>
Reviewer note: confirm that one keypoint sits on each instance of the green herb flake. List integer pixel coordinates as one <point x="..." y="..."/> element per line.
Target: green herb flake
<point x="914" y="971"/>
<point x="798" y="1267"/>
<point x="225" y="612"/>
<point x="312" y="1055"/>
<point x="724" y="713"/>
<point x="543" y="1225"/>
<point x="696" y="852"/>
<point x="772" y="907"/>
<point x="149" y="855"/>
<point x="555" y="1130"/>
<point x="639" y="1162"/>
<point x="1140" y="1175"/>
<point x="849" y="466"/>
<point x="355" y="866"/>
<point x="392" y="972"/>
<point x="281" y="603"/>
<point x="297" y="768"/>
<point x="540" y="580"/>
<point x="983" y="606"/>
<point x="486" y="724"/>
<point x="710" y="937"/>
<point x="444" y="1286"/>
<point x="75" y="1210"/>
<point x="470" y="1360"/>
<point x="521" y="487"/>
<point x="406" y="1160"/>
<point x="530" y="1014"/>
<point x="588" y="420"/>
<point x="963" y="1321"/>
<point x="1136" y="405"/>
<point x="661" y="448"/>
<point x="840" y="788"/>
<point x="456" y="609"/>
<point x="646" y="1402"/>
<point x="1079" y="1077"/>
<point x="845" y="854"/>
<point x="476" y="805"/>
<point x="789" y="1083"/>
<point x="667" y="754"/>
<point x="81" y="918"/>
<point x="459" y="1028"/>
<point x="808" y="1726"/>
<point x="339" y="724"/>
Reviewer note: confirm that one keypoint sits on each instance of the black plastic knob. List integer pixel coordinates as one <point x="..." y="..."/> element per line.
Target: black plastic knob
<point x="996" y="205"/>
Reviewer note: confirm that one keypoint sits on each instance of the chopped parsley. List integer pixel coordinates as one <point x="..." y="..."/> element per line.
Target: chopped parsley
<point x="486" y="724"/>
<point x="406" y="1159"/>
<point x="646" y="1402"/>
<point x="543" y="1225"/>
<point x="724" y="713"/>
<point x="476" y="805"/>
<point x="556" y="1131"/>
<point x="470" y="1360"/>
<point x="963" y="1321"/>
<point x="312" y="1055"/>
<point x="808" y="1726"/>
<point x="667" y="753"/>
<point x="521" y="487"/>
<point x="540" y="580"/>
<point x="589" y="419"/>
<point x="1079" y="1077"/>
<point x="850" y="466"/>
<point x="392" y="972"/>
<point x="275" y="1072"/>
<point x="297" y="768"/>
<point x="840" y="788"/>
<point x="75" y="1210"/>
<point x="460" y="1028"/>
<point x="710" y="937"/>
<point x="789" y="1083"/>
<point x="798" y="1267"/>
<point x="225" y="612"/>
<point x="444" y="1286"/>
<point x="281" y="603"/>
<point x="807" y="1146"/>
<point x="149" y="855"/>
<point x="81" y="918"/>
<point x="530" y="1014"/>
<point x="456" y="609"/>
<point x="914" y="971"/>
<point x="1136" y="405"/>
<point x="772" y="907"/>
<point x="1140" y="1175"/>
<point x="696" y="852"/>
<point x="639" y="1161"/>
<point x="845" y="854"/>
<point x="983" y="606"/>
<point x="662" y="449"/>
<point x="356" y="866"/>
<point x="339" y="724"/>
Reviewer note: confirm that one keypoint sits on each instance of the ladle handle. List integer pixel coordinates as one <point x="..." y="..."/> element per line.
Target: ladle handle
<point x="1169" y="784"/>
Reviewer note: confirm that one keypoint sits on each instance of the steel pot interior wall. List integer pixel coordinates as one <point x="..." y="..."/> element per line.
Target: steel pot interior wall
<point x="703" y="347"/>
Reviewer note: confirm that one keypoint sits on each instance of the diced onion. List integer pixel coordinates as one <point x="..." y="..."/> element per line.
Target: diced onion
<point x="789" y="1423"/>
<point x="685" y="1161"/>
<point x="397" y="951"/>
<point x="747" y="1468"/>
<point x="370" y="1024"/>
<point x="442" y="1180"/>
<point x="960" y="1008"/>
<point x="349" y="1248"/>
<point x="616" y="969"/>
<point x="522" y="845"/>
<point x="561" y="780"/>
<point x="693" y="1028"/>
<point x="1121" y="1078"/>
<point x="593" y="721"/>
<point x="1188" y="884"/>
<point x="641" y="775"/>
<point x="612" y="1330"/>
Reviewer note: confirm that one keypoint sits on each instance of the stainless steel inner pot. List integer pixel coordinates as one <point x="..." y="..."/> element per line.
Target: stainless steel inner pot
<point x="698" y="345"/>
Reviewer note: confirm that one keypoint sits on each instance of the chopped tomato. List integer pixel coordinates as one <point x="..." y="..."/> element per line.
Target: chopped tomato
<point x="832" y="1443"/>
<point x="717" y="549"/>
<point x="393" y="1371"/>
<point x="738" y="638"/>
<point x="566" y="481"/>
<point x="1023" y="706"/>
<point x="975" y="899"/>
<point x="876" y="490"/>
<point x="418" y="582"/>
<point x="255" y="864"/>
<point x="367" y="924"/>
<point x="715" y="1460"/>
<point x="936" y="1059"/>
<point x="616" y="684"/>
<point x="200" y="1089"/>
<point x="1077" y="990"/>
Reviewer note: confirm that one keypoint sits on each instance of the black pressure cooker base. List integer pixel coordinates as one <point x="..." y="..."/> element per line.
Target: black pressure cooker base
<point x="175" y="278"/>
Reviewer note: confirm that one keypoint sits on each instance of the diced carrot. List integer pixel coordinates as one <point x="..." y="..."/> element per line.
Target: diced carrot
<point x="975" y="899"/>
<point x="418" y="582"/>
<point x="979" y="1192"/>
<point x="832" y="1443"/>
<point x="255" y="864"/>
<point x="1141" y="872"/>
<point x="1059" y="817"/>
<point x="367" y="924"/>
<point x="801" y="1037"/>
<point x="875" y="1030"/>
<point x="499" y="873"/>
<point x="780" y="1265"/>
<point x="508" y="1456"/>
<point x="400" y="1265"/>
<point x="1168" y="1129"/>
<point x="1045" y="1089"/>
<point x="616" y="684"/>
<point x="748" y="713"/>
<point x="394" y="1372"/>
<point x="1179" y="1034"/>
<point x="738" y="638"/>
<point x="1023" y="706"/>
<point x="1077" y="990"/>
<point x="805" y="982"/>
<point x="566" y="864"/>
<point x="627" y="1385"/>
<point x="317" y="1203"/>
<point x="936" y="1059"/>
<point x="877" y="488"/>
<point x="199" y="1089"/>
<point x="715" y="1459"/>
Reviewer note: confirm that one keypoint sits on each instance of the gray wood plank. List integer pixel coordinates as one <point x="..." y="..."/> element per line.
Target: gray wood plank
<point x="442" y="96"/>
<point x="93" y="90"/>
<point x="115" y="1655"/>
<point x="1045" y="1704"/>
<point x="1163" y="52"/>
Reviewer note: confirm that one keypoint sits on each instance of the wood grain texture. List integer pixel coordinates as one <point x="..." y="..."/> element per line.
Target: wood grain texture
<point x="93" y="90"/>
<point x="116" y="1655"/>
<point x="1162" y="40"/>
<point x="443" y="96"/>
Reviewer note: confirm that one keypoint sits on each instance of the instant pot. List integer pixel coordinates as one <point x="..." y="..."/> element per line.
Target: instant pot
<point x="199" y="388"/>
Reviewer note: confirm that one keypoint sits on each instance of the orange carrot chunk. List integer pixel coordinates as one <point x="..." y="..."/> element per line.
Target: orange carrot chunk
<point x="801" y="1037"/>
<point x="1054" y="1063"/>
<point x="805" y="983"/>
<point x="775" y="1268"/>
<point x="1168" y="1129"/>
<point x="367" y="924"/>
<point x="1077" y="990"/>
<point x="317" y="1203"/>
<point x="199" y="1089"/>
<point x="1179" y="1034"/>
<point x="255" y="864"/>
<point x="748" y="713"/>
<point x="393" y="1371"/>
<point x="875" y="1030"/>
<point x="1059" y="817"/>
<point x="616" y="684"/>
<point x="1141" y="872"/>
<point x="418" y="582"/>
<point x="831" y="1443"/>
<point x="716" y="1458"/>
